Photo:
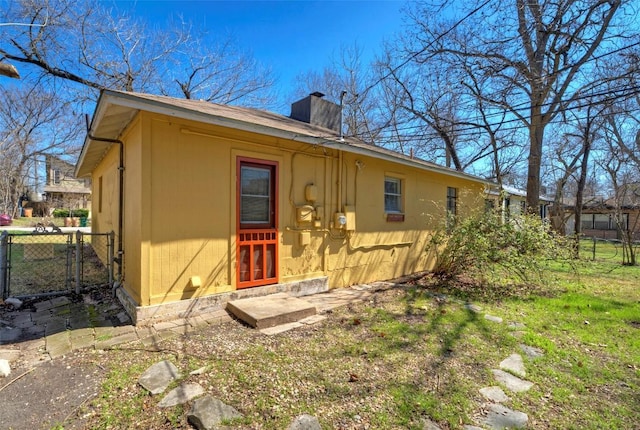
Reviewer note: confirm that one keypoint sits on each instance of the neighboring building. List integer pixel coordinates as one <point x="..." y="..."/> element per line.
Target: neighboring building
<point x="63" y="189"/>
<point x="211" y="202"/>
<point x="605" y="220"/>
<point x="514" y="202"/>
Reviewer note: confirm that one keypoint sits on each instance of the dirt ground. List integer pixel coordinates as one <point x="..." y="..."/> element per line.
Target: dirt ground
<point x="46" y="395"/>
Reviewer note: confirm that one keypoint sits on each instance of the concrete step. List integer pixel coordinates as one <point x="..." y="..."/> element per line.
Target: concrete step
<point x="269" y="311"/>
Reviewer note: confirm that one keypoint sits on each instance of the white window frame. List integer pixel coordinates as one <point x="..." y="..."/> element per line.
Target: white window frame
<point x="397" y="195"/>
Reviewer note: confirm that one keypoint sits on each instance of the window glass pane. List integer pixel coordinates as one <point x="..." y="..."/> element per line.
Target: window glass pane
<point x="601" y="221"/>
<point x="392" y="186"/>
<point x="255" y="209"/>
<point x="392" y="195"/>
<point x="391" y="203"/>
<point x="254" y="195"/>
<point x="255" y="181"/>
<point x="587" y="221"/>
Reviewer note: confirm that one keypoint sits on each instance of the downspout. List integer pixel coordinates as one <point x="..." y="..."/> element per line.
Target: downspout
<point x="339" y="208"/>
<point x="120" y="255"/>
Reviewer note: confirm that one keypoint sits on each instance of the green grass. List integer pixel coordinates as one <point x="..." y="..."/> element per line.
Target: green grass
<point x="410" y="355"/>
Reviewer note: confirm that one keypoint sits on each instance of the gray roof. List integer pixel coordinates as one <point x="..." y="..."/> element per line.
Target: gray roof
<point x="116" y="109"/>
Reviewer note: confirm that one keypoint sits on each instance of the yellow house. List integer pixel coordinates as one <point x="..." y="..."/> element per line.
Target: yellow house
<point x="211" y="203"/>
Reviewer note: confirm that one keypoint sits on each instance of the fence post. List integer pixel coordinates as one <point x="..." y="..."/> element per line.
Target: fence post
<point x="78" y="260"/>
<point x="111" y="239"/>
<point x="594" y="249"/>
<point x="4" y="240"/>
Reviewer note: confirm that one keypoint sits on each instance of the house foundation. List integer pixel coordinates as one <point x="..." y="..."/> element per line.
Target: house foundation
<point x="147" y="315"/>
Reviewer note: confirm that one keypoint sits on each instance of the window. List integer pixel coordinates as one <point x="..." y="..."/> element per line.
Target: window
<point x="57" y="176"/>
<point x="601" y="221"/>
<point x="392" y="195"/>
<point x="257" y="196"/>
<point x="452" y="201"/>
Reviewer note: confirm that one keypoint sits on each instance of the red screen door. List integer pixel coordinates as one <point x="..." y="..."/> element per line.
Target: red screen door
<point x="257" y="223"/>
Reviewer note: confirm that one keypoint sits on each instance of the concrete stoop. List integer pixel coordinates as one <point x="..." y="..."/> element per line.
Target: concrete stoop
<point x="270" y="311"/>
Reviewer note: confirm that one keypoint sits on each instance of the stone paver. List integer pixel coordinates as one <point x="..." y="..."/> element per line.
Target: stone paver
<point x="513" y="383"/>
<point x="493" y="318"/>
<point x="495" y="394"/>
<point x="427" y="424"/>
<point x="500" y="417"/>
<point x="157" y="378"/>
<point x="313" y="319"/>
<point x="516" y="326"/>
<point x="531" y="351"/>
<point x="473" y="308"/>
<point x="207" y="412"/>
<point x="514" y="364"/>
<point x="305" y="422"/>
<point x="270" y="331"/>
<point x="181" y="394"/>
<point x="58" y="344"/>
<point x="119" y="338"/>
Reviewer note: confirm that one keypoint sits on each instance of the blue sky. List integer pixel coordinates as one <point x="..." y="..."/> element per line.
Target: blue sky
<point x="290" y="37"/>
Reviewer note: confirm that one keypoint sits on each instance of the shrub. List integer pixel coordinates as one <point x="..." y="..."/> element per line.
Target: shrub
<point x="483" y="245"/>
<point x="75" y="213"/>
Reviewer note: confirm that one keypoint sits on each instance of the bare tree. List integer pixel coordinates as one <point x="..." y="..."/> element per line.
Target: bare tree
<point x="85" y="43"/>
<point x="529" y="55"/>
<point x="624" y="183"/>
<point x="32" y="123"/>
<point x="345" y="80"/>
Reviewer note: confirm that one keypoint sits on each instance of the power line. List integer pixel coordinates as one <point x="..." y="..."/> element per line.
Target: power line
<point x="471" y="130"/>
<point x="629" y="91"/>
<point x="423" y="50"/>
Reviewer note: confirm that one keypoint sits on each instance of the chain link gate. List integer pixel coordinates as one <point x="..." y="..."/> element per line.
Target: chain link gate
<point x="41" y="264"/>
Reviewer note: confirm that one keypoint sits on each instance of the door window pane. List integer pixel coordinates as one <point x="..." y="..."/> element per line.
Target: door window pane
<point x="255" y="195"/>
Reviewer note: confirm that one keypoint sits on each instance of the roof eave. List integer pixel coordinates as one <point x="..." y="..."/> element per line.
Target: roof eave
<point x="135" y="103"/>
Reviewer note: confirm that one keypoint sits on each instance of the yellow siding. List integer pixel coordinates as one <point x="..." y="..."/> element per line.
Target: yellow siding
<point x="133" y="241"/>
<point x="180" y="210"/>
<point x="104" y="217"/>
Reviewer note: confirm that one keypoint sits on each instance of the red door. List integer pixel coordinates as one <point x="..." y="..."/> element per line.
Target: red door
<point x="257" y="250"/>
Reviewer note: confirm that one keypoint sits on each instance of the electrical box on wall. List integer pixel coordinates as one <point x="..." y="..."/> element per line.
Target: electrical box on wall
<point x="305" y="213"/>
<point x="339" y="220"/>
<point x="350" y="214"/>
<point x="311" y="193"/>
<point x="304" y="238"/>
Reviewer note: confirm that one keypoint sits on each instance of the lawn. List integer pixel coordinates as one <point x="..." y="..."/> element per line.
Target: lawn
<point x="412" y="352"/>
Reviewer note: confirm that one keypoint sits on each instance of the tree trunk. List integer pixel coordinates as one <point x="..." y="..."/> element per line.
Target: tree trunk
<point x="536" y="137"/>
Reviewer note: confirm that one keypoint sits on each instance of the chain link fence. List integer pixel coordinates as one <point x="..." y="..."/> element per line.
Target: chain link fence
<point x="50" y="263"/>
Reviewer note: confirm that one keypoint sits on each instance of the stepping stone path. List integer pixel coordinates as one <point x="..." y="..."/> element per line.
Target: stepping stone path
<point x="494" y="415"/>
<point x="207" y="412"/>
